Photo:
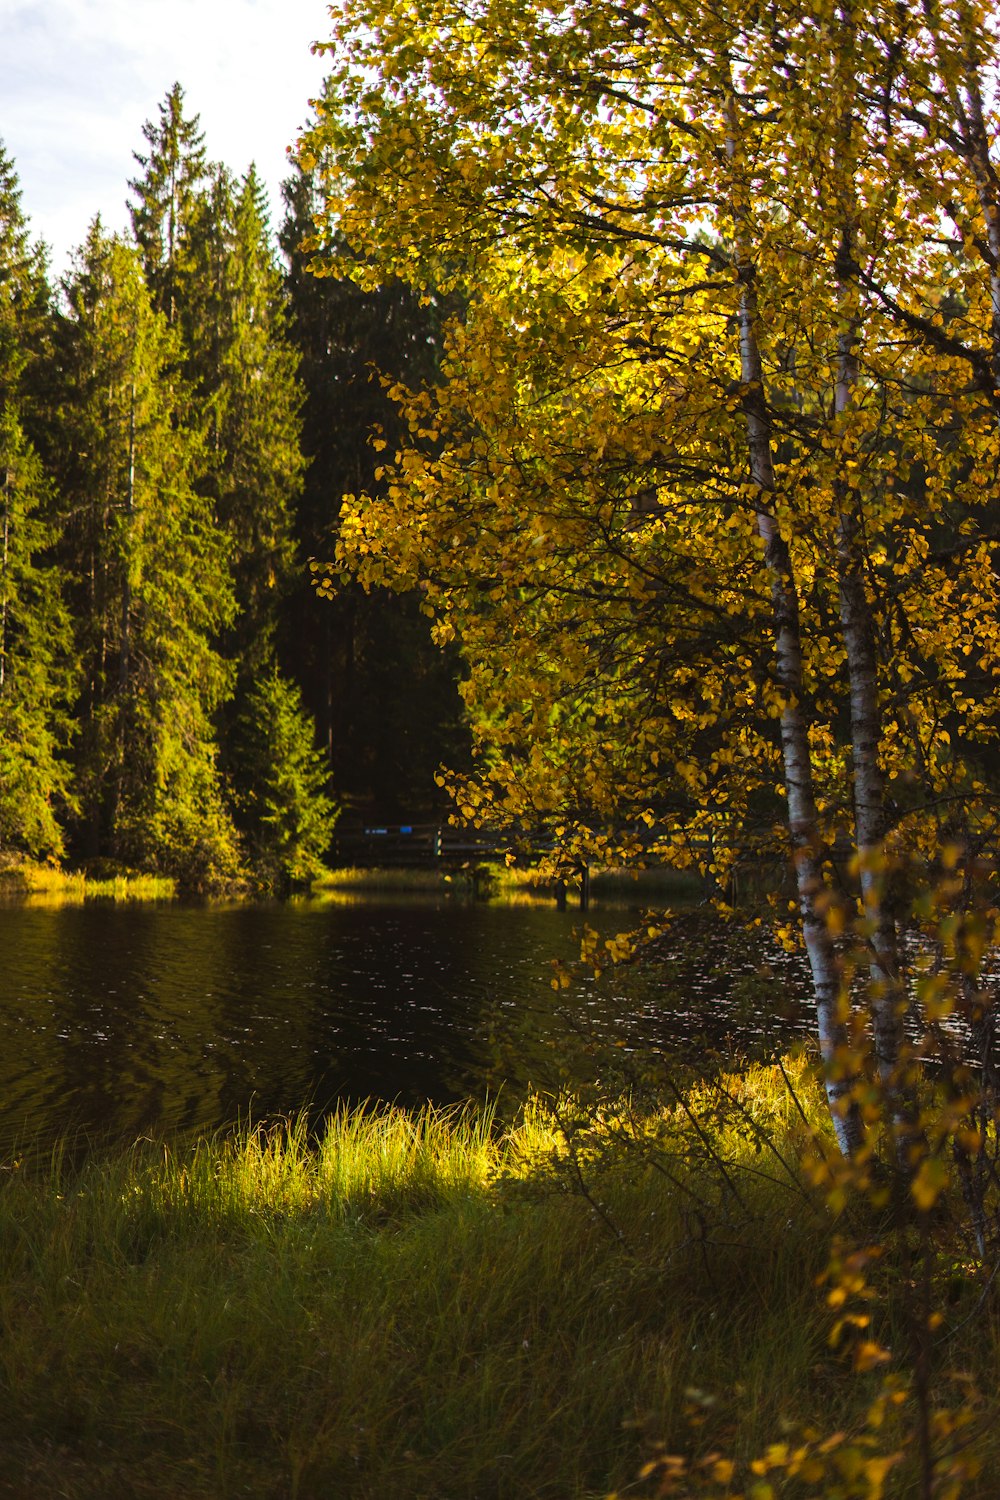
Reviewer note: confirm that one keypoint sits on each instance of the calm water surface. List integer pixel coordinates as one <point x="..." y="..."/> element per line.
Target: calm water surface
<point x="145" y="1018"/>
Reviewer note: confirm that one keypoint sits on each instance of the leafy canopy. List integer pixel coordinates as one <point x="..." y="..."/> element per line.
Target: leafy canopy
<point x="576" y="497"/>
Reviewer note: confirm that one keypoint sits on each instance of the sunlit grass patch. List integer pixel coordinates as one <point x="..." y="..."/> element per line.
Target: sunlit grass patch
<point x="492" y="878"/>
<point x="634" y="887"/>
<point x="422" y="1304"/>
<point x="354" y="882"/>
<point x="131" y="888"/>
<point x="48" y="885"/>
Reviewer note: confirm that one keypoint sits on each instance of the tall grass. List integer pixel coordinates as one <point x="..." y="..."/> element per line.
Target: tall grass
<point x="356" y="882"/>
<point x="412" y="1306"/>
<point x="514" y="885"/>
<point x="47" y="885"/>
<point x="657" y="885"/>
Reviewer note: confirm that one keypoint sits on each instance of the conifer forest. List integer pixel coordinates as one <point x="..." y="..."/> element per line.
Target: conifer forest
<point x="179" y="417"/>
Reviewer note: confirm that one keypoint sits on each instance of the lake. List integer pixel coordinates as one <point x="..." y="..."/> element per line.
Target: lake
<point x="124" y="1020"/>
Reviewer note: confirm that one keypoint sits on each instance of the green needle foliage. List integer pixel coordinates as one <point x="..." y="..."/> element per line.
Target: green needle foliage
<point x="152" y="589"/>
<point x="155" y="533"/>
<point x="36" y="668"/>
<point x="247" y="396"/>
<point x="166" y="200"/>
<point x="37" y="675"/>
<point x="385" y="699"/>
<point x="285" y="809"/>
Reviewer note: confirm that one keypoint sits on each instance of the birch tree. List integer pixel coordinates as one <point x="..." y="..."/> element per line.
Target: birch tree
<point x="706" y="490"/>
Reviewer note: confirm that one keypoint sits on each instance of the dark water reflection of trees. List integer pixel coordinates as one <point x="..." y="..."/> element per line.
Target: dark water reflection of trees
<point x="141" y="1019"/>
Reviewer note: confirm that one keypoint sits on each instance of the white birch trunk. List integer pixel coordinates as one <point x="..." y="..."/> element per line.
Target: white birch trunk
<point x="803" y="821"/>
<point x="869" y="803"/>
<point x="858" y="630"/>
<point x="977" y="143"/>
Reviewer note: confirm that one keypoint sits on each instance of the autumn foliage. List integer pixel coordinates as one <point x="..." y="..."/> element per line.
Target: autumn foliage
<point x="707" y="488"/>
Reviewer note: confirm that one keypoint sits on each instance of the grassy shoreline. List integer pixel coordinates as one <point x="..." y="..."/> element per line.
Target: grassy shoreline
<point x="42" y="884"/>
<point x="635" y="887"/>
<point x="419" y="1306"/>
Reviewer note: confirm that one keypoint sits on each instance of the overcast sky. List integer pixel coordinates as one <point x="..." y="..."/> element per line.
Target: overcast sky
<point x="79" y="77"/>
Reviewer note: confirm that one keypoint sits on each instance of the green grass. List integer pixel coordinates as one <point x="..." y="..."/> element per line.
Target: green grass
<point x="419" y="1306"/>
<point x="655" y="886"/>
<point x="354" y="883"/>
<point x="42" y="884"/>
<point x="47" y="885"/>
<point x="643" y="887"/>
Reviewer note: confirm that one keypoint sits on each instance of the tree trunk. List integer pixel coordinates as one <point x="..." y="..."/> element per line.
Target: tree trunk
<point x="803" y="821"/>
<point x="856" y="618"/>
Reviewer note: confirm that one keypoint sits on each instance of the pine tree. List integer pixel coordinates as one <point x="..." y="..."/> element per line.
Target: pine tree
<point x="36" y="672"/>
<point x="167" y="199"/>
<point x="153" y="590"/>
<point x="285" y="809"/>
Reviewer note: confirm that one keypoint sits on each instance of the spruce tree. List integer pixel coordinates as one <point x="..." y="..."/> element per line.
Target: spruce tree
<point x="210" y="262"/>
<point x="152" y="583"/>
<point x="244" y="374"/>
<point x="211" y="268"/>
<point x="36" y="667"/>
<point x="168" y="195"/>
<point x="25" y="312"/>
<point x="247" y="397"/>
<point x="285" y="809"/>
<point x="36" y="672"/>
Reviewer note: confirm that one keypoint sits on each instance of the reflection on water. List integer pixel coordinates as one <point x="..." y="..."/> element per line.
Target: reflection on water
<point x="131" y="1019"/>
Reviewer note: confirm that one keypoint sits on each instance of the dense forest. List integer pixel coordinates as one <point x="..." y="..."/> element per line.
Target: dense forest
<point x="178" y="420"/>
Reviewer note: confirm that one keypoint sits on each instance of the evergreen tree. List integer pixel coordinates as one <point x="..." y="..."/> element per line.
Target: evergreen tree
<point x="206" y="247"/>
<point x="25" y="313"/>
<point x="36" y="673"/>
<point x="244" y="375"/>
<point x="385" y="699"/>
<point x="210" y="266"/>
<point x="168" y="195"/>
<point x="247" y="397"/>
<point x="153" y="589"/>
<point x="35" y="642"/>
<point x="285" y="809"/>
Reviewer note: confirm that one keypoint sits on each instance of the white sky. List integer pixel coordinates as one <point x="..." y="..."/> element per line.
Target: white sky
<point x="79" y="77"/>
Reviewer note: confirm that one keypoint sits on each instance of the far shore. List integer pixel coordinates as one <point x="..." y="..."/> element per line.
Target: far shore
<point x="48" y="884"/>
